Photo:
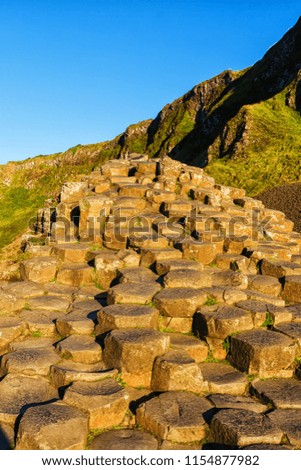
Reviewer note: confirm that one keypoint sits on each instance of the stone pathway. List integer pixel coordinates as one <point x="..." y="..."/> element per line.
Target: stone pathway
<point x="156" y="310"/>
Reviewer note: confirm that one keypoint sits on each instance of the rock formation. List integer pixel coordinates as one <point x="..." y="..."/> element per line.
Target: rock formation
<point x="157" y="310"/>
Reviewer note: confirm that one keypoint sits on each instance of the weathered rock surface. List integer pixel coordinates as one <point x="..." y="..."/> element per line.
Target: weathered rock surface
<point x="127" y="313"/>
<point x="175" y="416"/>
<point x="261" y="352"/>
<point x="127" y="316"/>
<point x="222" y="378"/>
<point x="106" y="402"/>
<point x="133" y="351"/>
<point x="177" y="371"/>
<point x="19" y="392"/>
<point x="54" y="426"/>
<point x="80" y="348"/>
<point x="124" y="439"/>
<point x="242" y="428"/>
<point x="281" y="393"/>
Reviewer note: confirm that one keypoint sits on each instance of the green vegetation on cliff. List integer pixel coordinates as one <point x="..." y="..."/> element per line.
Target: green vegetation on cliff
<point x="270" y="151"/>
<point x="24" y="186"/>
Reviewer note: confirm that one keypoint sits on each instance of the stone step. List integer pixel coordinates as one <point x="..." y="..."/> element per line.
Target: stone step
<point x="106" y="402"/>
<point x="76" y="274"/>
<point x="10" y="303"/>
<point x="187" y="278"/>
<point x="51" y="303"/>
<point x="243" y="428"/>
<point x="39" y="269"/>
<point x="53" y="426"/>
<point x="80" y="348"/>
<point x="25" y="290"/>
<point x="280" y="393"/>
<point x="68" y="371"/>
<point x="132" y="190"/>
<point x="73" y="253"/>
<point x="29" y="362"/>
<point x="165" y="266"/>
<point x="176" y="370"/>
<point x="292" y="288"/>
<point x="203" y="252"/>
<point x="179" y="302"/>
<point x="40" y="322"/>
<point x="264" y="353"/>
<point x="133" y="293"/>
<point x="197" y="349"/>
<point x="289" y="421"/>
<point x="222" y="401"/>
<point x="222" y="378"/>
<point x="76" y="322"/>
<point x="18" y="392"/>
<point x="149" y="257"/>
<point x="175" y="416"/>
<point x="10" y="329"/>
<point x="133" y="351"/>
<point x="120" y="316"/>
<point x="221" y="322"/>
<point x="292" y="330"/>
<point x="265" y="284"/>
<point x="139" y="275"/>
<point x="124" y="439"/>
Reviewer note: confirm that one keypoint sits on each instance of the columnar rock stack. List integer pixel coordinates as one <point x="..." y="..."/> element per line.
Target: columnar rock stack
<point x="157" y="303"/>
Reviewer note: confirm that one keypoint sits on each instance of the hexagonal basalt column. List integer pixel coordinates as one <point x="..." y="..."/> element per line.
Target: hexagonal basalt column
<point x="54" y="426"/>
<point x="127" y="316"/>
<point x="132" y="293"/>
<point x="263" y="352"/>
<point x="292" y="288"/>
<point x="222" y="322"/>
<point x="93" y="210"/>
<point x="40" y="269"/>
<point x="81" y="348"/>
<point x="124" y="439"/>
<point x="204" y="252"/>
<point x="106" y="402"/>
<point x="175" y="416"/>
<point x="133" y="351"/>
<point x="242" y="428"/>
<point x="280" y="393"/>
<point x="180" y="302"/>
<point x="176" y="370"/>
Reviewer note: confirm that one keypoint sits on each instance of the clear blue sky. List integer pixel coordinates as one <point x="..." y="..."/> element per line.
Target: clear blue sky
<point x="76" y="71"/>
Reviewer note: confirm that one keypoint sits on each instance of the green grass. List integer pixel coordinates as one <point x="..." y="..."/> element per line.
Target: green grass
<point x="211" y="359"/>
<point x="227" y="342"/>
<point x="92" y="434"/>
<point x="36" y="334"/>
<point x="33" y="181"/>
<point x="120" y="380"/>
<point x="271" y="155"/>
<point x="211" y="300"/>
<point x="268" y="321"/>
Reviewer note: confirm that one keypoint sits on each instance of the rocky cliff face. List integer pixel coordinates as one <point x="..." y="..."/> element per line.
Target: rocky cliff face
<point x="237" y="116"/>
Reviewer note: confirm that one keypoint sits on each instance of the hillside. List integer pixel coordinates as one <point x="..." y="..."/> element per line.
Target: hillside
<point x="24" y="186"/>
<point x="243" y="127"/>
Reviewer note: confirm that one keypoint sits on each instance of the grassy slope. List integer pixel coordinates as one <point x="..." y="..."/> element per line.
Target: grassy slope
<point x="37" y="179"/>
<point x="271" y="154"/>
